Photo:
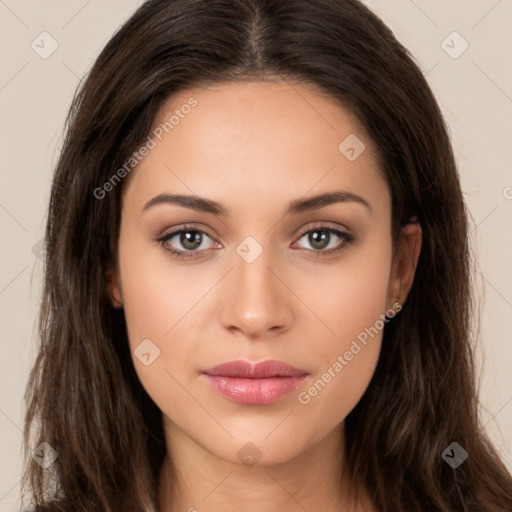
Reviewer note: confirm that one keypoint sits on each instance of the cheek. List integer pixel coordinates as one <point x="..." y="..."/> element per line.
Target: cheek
<point x="157" y="292"/>
<point x="353" y="307"/>
<point x="156" y="298"/>
<point x="350" y="295"/>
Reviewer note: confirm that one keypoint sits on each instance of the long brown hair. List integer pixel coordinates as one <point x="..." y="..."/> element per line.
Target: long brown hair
<point x="83" y="396"/>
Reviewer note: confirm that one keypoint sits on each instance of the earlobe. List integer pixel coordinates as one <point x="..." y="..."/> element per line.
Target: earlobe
<point x="113" y="288"/>
<point x="405" y="262"/>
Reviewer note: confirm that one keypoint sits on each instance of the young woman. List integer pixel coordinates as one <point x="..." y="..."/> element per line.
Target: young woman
<point x="257" y="287"/>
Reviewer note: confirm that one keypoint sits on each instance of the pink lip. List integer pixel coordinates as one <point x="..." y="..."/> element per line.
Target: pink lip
<point x="254" y="384"/>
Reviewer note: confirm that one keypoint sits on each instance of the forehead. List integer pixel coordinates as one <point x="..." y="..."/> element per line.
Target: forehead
<point x="261" y="141"/>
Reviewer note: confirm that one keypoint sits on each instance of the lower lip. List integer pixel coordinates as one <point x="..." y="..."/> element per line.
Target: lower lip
<point x="253" y="391"/>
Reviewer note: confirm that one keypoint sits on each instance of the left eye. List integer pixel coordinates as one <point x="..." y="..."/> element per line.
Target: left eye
<point x="320" y="239"/>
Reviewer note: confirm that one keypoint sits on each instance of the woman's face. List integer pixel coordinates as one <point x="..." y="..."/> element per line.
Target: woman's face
<point x="287" y="256"/>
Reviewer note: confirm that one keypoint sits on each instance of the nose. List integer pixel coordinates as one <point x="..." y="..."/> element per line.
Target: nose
<point x="257" y="302"/>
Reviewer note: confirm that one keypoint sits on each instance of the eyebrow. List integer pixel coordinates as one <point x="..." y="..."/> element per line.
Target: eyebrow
<point x="294" y="208"/>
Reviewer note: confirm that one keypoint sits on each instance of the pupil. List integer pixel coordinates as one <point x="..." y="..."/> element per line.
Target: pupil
<point x="191" y="239"/>
<point x="322" y="239"/>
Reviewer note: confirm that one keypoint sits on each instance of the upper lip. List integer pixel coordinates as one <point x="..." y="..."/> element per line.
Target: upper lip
<point x="261" y="370"/>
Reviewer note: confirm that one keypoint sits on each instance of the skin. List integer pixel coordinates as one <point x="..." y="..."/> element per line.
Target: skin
<point x="254" y="147"/>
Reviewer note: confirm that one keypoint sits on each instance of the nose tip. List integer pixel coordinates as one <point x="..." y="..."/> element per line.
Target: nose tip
<point x="257" y="303"/>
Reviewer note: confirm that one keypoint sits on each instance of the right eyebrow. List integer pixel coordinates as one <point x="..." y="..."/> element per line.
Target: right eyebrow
<point x="194" y="202"/>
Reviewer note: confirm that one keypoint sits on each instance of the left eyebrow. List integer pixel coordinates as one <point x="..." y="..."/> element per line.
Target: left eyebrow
<point x="295" y="207"/>
<point x="321" y="200"/>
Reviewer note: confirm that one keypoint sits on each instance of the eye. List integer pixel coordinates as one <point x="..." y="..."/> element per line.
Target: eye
<point x="188" y="239"/>
<point x="322" y="239"/>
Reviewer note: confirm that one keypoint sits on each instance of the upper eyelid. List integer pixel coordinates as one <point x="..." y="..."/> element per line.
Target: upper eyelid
<point x="173" y="232"/>
<point x="323" y="225"/>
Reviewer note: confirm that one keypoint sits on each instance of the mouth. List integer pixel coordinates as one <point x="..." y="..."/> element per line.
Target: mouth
<point x="254" y="384"/>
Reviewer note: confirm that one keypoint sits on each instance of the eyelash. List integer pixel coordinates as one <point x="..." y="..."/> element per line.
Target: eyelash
<point x="347" y="240"/>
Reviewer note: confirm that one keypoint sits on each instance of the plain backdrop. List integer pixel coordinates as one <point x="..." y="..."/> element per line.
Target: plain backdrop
<point x="465" y="51"/>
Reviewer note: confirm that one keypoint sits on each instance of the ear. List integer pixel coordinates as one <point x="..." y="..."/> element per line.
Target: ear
<point x="405" y="262"/>
<point x="113" y="287"/>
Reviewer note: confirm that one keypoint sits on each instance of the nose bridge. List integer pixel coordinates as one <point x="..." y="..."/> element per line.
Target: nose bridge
<point x="257" y="300"/>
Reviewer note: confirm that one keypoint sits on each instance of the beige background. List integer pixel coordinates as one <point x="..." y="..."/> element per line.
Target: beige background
<point x="475" y="94"/>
